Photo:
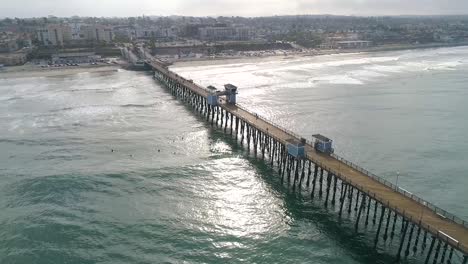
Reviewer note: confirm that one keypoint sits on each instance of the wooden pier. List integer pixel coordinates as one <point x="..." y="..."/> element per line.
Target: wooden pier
<point x="394" y="213"/>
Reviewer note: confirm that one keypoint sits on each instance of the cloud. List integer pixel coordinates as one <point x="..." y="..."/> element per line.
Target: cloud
<point x="29" y="8"/>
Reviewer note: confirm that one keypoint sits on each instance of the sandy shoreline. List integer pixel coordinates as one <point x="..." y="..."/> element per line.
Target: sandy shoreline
<point x="27" y="71"/>
<point x="205" y="61"/>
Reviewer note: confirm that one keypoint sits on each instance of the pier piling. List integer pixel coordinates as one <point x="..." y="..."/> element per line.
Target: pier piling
<point x="270" y="140"/>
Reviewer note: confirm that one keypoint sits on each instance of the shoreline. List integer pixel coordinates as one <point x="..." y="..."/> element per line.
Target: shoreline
<point x="398" y="47"/>
<point x="29" y="70"/>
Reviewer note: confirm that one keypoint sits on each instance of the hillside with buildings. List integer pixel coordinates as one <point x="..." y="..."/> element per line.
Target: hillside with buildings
<point x="180" y="37"/>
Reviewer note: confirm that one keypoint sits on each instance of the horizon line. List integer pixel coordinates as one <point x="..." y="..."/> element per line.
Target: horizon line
<point x="217" y="16"/>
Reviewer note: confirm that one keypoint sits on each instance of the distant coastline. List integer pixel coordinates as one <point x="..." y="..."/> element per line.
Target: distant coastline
<point x="414" y="46"/>
<point x="395" y="47"/>
<point x="29" y="70"/>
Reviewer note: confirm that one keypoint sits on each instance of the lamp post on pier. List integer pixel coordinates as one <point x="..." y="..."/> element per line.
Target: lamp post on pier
<point x="422" y="211"/>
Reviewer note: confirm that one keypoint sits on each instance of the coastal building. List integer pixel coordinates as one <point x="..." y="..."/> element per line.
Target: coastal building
<point x="243" y="33"/>
<point x="145" y="33"/>
<point x="76" y="33"/>
<point x="347" y="44"/>
<point x="54" y="34"/>
<point x="219" y="33"/>
<point x="98" y="33"/>
<point x="353" y="44"/>
<point x="75" y="57"/>
<point x="153" y="32"/>
<point x="191" y="30"/>
<point x="327" y="45"/>
<point x="62" y="34"/>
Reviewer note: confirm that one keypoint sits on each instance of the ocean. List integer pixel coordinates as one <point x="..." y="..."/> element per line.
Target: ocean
<point x="108" y="167"/>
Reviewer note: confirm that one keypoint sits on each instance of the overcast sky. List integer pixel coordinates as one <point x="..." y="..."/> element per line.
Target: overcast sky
<point x="38" y="8"/>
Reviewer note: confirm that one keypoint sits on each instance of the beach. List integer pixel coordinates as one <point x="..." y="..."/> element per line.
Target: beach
<point x="286" y="54"/>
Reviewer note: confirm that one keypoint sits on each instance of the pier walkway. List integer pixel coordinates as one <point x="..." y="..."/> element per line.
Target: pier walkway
<point x="412" y="209"/>
<point x="449" y="231"/>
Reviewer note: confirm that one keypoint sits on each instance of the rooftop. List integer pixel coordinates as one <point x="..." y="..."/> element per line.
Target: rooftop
<point x="322" y="138"/>
<point x="230" y="86"/>
<point x="297" y="142"/>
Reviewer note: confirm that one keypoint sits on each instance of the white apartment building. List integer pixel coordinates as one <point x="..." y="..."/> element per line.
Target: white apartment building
<point x="224" y="33"/>
<point x="54" y="34"/>
<point x="58" y="34"/>
<point x="99" y="33"/>
<point x="152" y="32"/>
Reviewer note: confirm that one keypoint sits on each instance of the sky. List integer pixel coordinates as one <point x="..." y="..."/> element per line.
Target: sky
<point x="120" y="8"/>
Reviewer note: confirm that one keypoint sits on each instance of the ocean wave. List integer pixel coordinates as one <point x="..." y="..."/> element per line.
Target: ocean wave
<point x="97" y="90"/>
<point x="335" y="79"/>
<point x="10" y="98"/>
<point x="100" y="108"/>
<point x="53" y="189"/>
<point x="139" y="105"/>
<point x="61" y="157"/>
<point x="42" y="142"/>
<point x="450" y="65"/>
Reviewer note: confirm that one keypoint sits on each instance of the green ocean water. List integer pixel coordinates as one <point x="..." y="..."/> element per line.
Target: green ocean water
<point x="110" y="168"/>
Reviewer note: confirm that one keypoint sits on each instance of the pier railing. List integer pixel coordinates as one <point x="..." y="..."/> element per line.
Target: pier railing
<point x="441" y="212"/>
<point x="280" y="127"/>
<point x="437" y="233"/>
<point x="410" y="216"/>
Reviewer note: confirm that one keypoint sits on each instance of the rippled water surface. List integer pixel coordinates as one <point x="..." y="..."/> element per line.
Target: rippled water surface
<point x="110" y="168"/>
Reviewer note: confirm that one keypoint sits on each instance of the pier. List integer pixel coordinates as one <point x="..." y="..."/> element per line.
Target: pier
<point x="372" y="202"/>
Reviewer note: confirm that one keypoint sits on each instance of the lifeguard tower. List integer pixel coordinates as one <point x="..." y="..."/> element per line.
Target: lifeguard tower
<point x="296" y="148"/>
<point x="323" y="144"/>
<point x="230" y="91"/>
<point x="213" y="96"/>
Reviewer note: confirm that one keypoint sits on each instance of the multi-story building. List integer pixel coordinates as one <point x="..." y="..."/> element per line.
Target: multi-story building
<point x="76" y="33"/>
<point x="43" y="36"/>
<point x="353" y="44"/>
<point x="145" y="33"/>
<point x="54" y="34"/>
<point x="99" y="33"/>
<point x="217" y="33"/>
<point x="243" y="33"/>
<point x="224" y="33"/>
<point x="152" y="32"/>
<point x="61" y="34"/>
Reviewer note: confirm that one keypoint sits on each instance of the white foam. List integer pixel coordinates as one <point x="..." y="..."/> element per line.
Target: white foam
<point x="385" y="68"/>
<point x="450" y="65"/>
<point x="366" y="74"/>
<point x="335" y="79"/>
<point x="334" y="69"/>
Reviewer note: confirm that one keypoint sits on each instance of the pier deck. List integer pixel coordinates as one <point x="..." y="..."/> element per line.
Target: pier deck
<point x="453" y="233"/>
<point x="417" y="212"/>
